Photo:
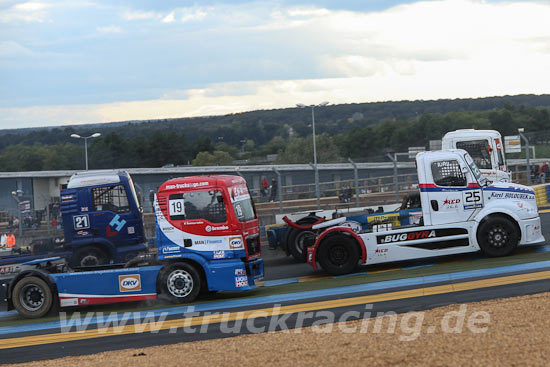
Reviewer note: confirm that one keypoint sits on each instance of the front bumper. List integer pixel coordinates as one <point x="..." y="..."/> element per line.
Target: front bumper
<point x="234" y="275"/>
<point x="531" y="231"/>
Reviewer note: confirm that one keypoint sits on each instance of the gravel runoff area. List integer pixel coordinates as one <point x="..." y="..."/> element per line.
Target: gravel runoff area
<point x="506" y="332"/>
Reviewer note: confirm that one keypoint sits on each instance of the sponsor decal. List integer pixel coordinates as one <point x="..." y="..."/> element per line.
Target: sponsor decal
<point x="170" y="249"/>
<point x="131" y="230"/>
<point x="199" y="242"/>
<point x="167" y="229"/>
<point x="355" y="226"/>
<point x="238" y="193"/>
<point x="191" y="223"/>
<point x="129" y="283"/>
<point x="214" y="242"/>
<point x="511" y="195"/>
<point x="82" y="233"/>
<point x="235" y="243"/>
<point x="381" y="251"/>
<point x="400" y="237"/>
<point x="213" y="228"/>
<point x="241" y="281"/>
<point x="8" y="270"/>
<point x="186" y="185"/>
<point x="115" y="225"/>
<point x="65" y="198"/>
<point x="84" y="209"/>
<point x="239" y="272"/>
<point x="83" y="301"/>
<point x="384" y="218"/>
<point x="219" y="254"/>
<point x="67" y="302"/>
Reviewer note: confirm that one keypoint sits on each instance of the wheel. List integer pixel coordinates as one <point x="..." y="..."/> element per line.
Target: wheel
<point x="179" y="282"/>
<point x="298" y="240"/>
<point x="338" y="254"/>
<point x="498" y="236"/>
<point x="89" y="256"/>
<point x="32" y="297"/>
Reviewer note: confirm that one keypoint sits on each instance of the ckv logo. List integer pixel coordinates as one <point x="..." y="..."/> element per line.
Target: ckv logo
<point x="117" y="223"/>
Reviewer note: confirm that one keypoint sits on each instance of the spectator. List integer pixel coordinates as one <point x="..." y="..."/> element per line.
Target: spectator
<point x="264" y="186"/>
<point x="273" y="189"/>
<point x="10" y="242"/>
<point x="16" y="222"/>
<point x="544" y="170"/>
<point x="3" y="240"/>
<point x="534" y="173"/>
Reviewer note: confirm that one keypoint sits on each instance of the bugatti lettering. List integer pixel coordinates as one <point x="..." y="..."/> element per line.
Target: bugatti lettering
<point x="408" y="236"/>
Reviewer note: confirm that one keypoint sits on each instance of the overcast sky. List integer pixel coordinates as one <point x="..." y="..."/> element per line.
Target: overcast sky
<point x="79" y="61"/>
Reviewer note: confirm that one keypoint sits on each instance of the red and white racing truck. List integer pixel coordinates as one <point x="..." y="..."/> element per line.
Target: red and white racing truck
<point x="459" y="212"/>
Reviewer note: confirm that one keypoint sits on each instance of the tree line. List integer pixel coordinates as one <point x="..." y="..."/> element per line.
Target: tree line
<point x="203" y="141"/>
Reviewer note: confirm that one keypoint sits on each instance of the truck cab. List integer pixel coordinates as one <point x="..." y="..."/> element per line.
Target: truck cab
<point x="209" y="219"/>
<point x="102" y="218"/>
<point x="460" y="212"/>
<point x="486" y="149"/>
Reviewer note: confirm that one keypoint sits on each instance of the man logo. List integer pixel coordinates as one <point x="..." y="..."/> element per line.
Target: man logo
<point x="235" y="243"/>
<point x="129" y="283"/>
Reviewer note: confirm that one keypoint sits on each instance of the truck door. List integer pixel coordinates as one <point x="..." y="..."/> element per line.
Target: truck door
<point x="454" y="195"/>
<point x="114" y="216"/>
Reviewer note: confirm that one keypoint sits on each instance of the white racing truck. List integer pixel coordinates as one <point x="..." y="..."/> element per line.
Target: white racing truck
<point x="459" y="212"/>
<point x="486" y="149"/>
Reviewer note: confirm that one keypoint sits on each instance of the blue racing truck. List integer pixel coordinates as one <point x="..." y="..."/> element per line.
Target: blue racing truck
<point x="207" y="239"/>
<point x="102" y="218"/>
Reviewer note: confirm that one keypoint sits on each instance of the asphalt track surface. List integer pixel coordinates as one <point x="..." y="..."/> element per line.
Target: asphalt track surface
<point x="44" y="340"/>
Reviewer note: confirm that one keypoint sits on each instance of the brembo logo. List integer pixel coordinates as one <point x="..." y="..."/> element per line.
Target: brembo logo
<point x="212" y="228"/>
<point x="391" y="238"/>
<point x="129" y="283"/>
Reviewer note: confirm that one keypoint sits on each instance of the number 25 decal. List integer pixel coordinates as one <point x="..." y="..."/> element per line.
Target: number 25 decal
<point x="472" y="196"/>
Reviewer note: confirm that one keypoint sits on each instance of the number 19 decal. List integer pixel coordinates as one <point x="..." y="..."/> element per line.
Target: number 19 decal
<point x="472" y="199"/>
<point x="81" y="222"/>
<point x="176" y="207"/>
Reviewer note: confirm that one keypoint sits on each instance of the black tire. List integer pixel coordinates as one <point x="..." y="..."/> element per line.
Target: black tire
<point x="338" y="254"/>
<point x="179" y="283"/>
<point x="32" y="297"/>
<point x="89" y="256"/>
<point x="498" y="236"/>
<point x="298" y="240"/>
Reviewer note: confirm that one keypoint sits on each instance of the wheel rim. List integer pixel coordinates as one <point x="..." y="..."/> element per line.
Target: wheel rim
<point x="338" y="255"/>
<point x="89" y="260"/>
<point x="304" y="240"/>
<point x="179" y="283"/>
<point x="498" y="237"/>
<point x="32" y="297"/>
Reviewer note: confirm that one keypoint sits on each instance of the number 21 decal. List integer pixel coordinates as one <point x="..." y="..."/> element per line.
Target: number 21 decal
<point x="81" y="222"/>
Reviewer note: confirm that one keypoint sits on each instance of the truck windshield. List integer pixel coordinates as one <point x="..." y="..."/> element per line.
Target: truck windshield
<point x="479" y="151"/>
<point x="207" y="205"/>
<point x="242" y="203"/>
<point x="473" y="167"/>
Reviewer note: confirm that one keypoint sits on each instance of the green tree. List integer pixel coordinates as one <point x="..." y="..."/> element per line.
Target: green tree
<point x="216" y="158"/>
